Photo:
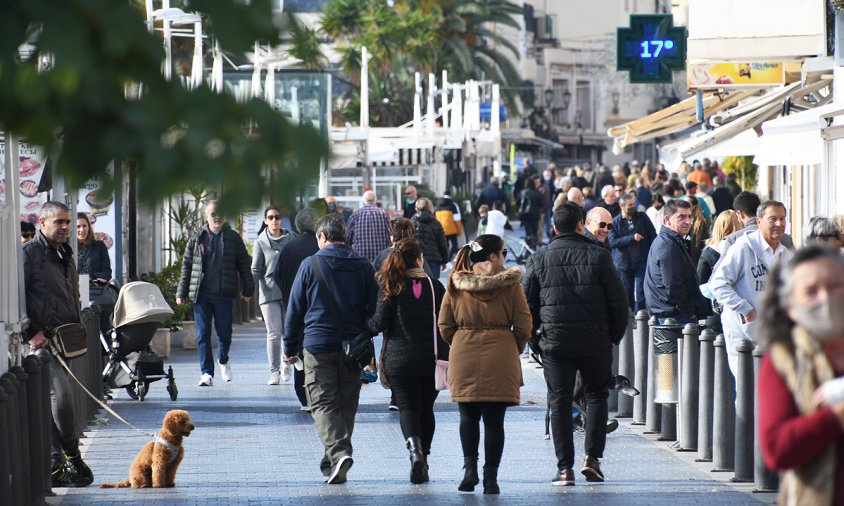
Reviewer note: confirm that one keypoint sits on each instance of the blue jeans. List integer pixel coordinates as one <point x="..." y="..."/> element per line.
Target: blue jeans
<point x="220" y="309"/>
<point x="634" y="282"/>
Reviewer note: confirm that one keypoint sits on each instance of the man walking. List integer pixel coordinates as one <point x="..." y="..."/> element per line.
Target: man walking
<point x="671" y="282"/>
<point x="369" y="228"/>
<point x="213" y="260"/>
<point x="333" y="386"/>
<point x="52" y="299"/>
<point x="630" y="240"/>
<point x="739" y="277"/>
<point x="579" y="309"/>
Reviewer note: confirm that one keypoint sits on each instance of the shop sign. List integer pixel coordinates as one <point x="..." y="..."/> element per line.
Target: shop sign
<point x="652" y="48"/>
<point x="703" y="75"/>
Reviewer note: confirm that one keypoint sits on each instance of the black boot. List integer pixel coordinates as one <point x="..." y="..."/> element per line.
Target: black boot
<point x="418" y="469"/>
<point x="491" y="479"/>
<point x="470" y="476"/>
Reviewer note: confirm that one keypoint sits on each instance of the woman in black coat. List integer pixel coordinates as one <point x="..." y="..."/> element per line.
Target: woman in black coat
<point x="407" y="312"/>
<point x="93" y="260"/>
<point x="430" y="233"/>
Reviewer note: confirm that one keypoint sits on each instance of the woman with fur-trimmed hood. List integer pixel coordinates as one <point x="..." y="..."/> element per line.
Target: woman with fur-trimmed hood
<point x="486" y="321"/>
<point x="801" y="403"/>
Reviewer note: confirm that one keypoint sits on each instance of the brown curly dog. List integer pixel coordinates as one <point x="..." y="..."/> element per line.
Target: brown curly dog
<point x="157" y="462"/>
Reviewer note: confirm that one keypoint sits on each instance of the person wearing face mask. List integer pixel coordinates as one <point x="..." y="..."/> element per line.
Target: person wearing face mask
<point x="801" y="404"/>
<point x="630" y="240"/>
<point x="740" y="276"/>
<point x="410" y="197"/>
<point x="598" y="226"/>
<point x="655" y="212"/>
<point x="333" y="206"/>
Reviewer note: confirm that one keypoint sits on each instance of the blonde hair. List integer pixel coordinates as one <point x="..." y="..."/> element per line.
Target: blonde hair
<point x="424" y="204"/>
<point x="726" y="223"/>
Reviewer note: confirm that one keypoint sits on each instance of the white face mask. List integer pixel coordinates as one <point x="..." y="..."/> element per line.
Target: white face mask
<point x="824" y="319"/>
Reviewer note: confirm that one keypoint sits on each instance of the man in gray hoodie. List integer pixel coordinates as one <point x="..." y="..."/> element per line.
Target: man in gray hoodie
<point x="740" y="276"/>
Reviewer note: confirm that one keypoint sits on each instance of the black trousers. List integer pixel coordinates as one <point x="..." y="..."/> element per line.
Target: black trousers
<point x="470" y="432"/>
<point x="415" y="397"/>
<point x="560" y="376"/>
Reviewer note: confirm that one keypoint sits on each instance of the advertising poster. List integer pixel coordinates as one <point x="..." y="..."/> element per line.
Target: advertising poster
<point x="735" y="74"/>
<point x="100" y="210"/>
<point x="32" y="160"/>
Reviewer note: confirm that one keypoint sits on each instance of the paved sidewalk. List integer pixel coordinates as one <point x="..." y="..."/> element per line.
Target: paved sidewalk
<point x="252" y="445"/>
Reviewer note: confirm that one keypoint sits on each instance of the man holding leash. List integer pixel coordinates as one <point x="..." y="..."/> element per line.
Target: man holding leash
<point x="52" y="299"/>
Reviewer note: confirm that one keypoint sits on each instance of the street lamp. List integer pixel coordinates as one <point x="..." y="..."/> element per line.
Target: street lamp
<point x="615" y="96"/>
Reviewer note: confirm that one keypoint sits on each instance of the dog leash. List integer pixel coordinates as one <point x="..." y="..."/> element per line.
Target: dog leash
<point x="101" y="403"/>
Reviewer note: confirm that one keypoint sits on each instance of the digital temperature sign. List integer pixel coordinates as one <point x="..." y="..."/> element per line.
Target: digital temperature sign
<point x="652" y="48"/>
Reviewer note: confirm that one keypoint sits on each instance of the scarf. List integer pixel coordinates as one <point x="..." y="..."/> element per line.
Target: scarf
<point x="804" y="369"/>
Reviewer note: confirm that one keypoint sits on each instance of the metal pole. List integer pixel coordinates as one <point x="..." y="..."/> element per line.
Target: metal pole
<point x="8" y="382"/>
<point x="668" y="429"/>
<point x="724" y="416"/>
<point x="5" y="443"/>
<point x="706" y="379"/>
<point x="764" y="479"/>
<point x="689" y="383"/>
<point x="612" y="400"/>
<point x="744" y="412"/>
<point x="640" y="367"/>
<point x="37" y="452"/>
<point x="626" y="369"/>
<point x="654" y="412"/>
<point x="47" y="427"/>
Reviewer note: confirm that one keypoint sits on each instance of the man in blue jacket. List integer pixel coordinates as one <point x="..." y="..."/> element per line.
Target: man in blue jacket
<point x="332" y="386"/>
<point x="671" y="282"/>
<point x="630" y="240"/>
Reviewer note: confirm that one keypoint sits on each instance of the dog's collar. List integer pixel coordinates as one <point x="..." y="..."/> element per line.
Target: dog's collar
<point x="174" y="450"/>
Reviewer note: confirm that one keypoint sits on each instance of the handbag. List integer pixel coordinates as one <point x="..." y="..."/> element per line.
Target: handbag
<point x="103" y="295"/>
<point x="359" y="351"/>
<point x="440" y="366"/>
<point x="69" y="340"/>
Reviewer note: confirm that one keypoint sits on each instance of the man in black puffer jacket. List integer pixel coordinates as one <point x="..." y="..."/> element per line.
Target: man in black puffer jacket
<point x="580" y="309"/>
<point x="213" y="259"/>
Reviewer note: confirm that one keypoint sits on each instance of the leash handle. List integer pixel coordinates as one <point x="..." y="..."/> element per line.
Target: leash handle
<point x="101" y="403"/>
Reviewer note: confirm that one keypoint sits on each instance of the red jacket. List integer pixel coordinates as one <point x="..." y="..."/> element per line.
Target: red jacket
<point x="789" y="439"/>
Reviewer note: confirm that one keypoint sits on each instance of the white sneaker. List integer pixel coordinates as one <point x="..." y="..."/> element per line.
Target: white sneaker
<point x="226" y="372"/>
<point x="274" y="378"/>
<point x="206" y="380"/>
<point x="285" y="372"/>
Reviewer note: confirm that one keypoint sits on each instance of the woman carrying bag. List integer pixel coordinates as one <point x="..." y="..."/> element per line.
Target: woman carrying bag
<point x="93" y="260"/>
<point x="408" y="303"/>
<point x="486" y="321"/>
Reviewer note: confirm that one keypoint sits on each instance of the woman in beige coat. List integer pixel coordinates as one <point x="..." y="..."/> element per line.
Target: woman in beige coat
<point x="486" y="321"/>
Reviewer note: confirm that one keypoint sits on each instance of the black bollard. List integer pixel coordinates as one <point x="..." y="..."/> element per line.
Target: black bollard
<point x="23" y="426"/>
<point x="47" y="427"/>
<point x="5" y="443"/>
<point x="724" y="415"/>
<point x="653" y="414"/>
<point x="38" y="454"/>
<point x="764" y="479"/>
<point x="706" y="379"/>
<point x="668" y="428"/>
<point x="625" y="368"/>
<point x="8" y="382"/>
<point x="689" y="384"/>
<point x="640" y="367"/>
<point x="744" y="413"/>
<point x="612" y="400"/>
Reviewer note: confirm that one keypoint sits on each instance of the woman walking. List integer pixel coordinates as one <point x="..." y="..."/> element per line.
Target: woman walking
<point x="486" y="321"/>
<point x="408" y="304"/>
<point x="430" y="233"/>
<point x="269" y="243"/>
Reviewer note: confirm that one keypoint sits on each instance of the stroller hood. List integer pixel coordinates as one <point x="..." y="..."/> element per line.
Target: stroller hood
<point x="140" y="302"/>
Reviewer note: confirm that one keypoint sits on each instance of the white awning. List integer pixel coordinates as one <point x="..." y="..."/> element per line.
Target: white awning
<point x="797" y="139"/>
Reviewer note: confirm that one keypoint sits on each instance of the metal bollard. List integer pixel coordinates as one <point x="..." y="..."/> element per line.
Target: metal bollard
<point x="625" y="368"/>
<point x="706" y="379"/>
<point x="764" y="479"/>
<point x="653" y="413"/>
<point x="612" y="400"/>
<point x="5" y="443"/>
<point x="640" y="367"/>
<point x="668" y="429"/>
<point x="23" y="430"/>
<point x="37" y="452"/>
<point x="689" y="393"/>
<point x="724" y="416"/>
<point x="744" y="413"/>
<point x="47" y="427"/>
<point x="8" y="382"/>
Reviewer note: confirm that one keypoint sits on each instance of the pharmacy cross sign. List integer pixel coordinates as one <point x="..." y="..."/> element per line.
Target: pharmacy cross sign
<point x="651" y="48"/>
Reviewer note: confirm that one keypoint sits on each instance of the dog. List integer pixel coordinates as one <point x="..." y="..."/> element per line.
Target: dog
<point x="156" y="464"/>
<point x="619" y="383"/>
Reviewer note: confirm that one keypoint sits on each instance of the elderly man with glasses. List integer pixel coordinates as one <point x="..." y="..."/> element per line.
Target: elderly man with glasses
<point x="598" y="226"/>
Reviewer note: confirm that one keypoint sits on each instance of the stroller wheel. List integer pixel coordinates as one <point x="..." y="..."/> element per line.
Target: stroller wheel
<point x="142" y="390"/>
<point x="172" y="390"/>
<point x="130" y="389"/>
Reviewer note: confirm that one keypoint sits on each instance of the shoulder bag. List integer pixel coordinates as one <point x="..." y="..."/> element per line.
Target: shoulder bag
<point x="69" y="340"/>
<point x="359" y="351"/>
<point x="441" y="366"/>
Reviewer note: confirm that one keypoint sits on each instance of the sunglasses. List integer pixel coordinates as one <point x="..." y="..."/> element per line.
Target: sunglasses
<point x="606" y="225"/>
<point x="835" y="236"/>
<point x="28" y="235"/>
<point x="273" y="217"/>
<point x="503" y="252"/>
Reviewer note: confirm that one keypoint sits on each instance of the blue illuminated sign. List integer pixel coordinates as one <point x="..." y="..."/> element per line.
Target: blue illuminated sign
<point x="652" y="48"/>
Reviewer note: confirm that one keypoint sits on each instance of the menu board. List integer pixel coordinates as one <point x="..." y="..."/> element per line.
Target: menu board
<point x="100" y="210"/>
<point x="32" y="162"/>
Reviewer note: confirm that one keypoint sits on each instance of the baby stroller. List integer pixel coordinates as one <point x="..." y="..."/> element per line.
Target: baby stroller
<point x="138" y="313"/>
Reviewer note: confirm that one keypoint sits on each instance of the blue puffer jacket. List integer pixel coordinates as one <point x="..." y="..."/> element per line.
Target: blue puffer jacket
<point x="350" y="279"/>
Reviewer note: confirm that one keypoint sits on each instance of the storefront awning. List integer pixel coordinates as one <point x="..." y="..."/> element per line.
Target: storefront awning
<point x="798" y="139"/>
<point x="675" y="118"/>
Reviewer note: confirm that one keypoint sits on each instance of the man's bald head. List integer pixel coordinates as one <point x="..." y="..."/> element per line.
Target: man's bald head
<point x="576" y="196"/>
<point x="594" y="218"/>
<point x="369" y="197"/>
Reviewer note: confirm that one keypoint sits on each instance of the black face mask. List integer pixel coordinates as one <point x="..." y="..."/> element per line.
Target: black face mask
<point x="332" y="208"/>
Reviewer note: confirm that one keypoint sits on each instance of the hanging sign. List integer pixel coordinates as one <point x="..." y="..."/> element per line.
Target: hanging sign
<point x="735" y="74"/>
<point x="652" y="48"/>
